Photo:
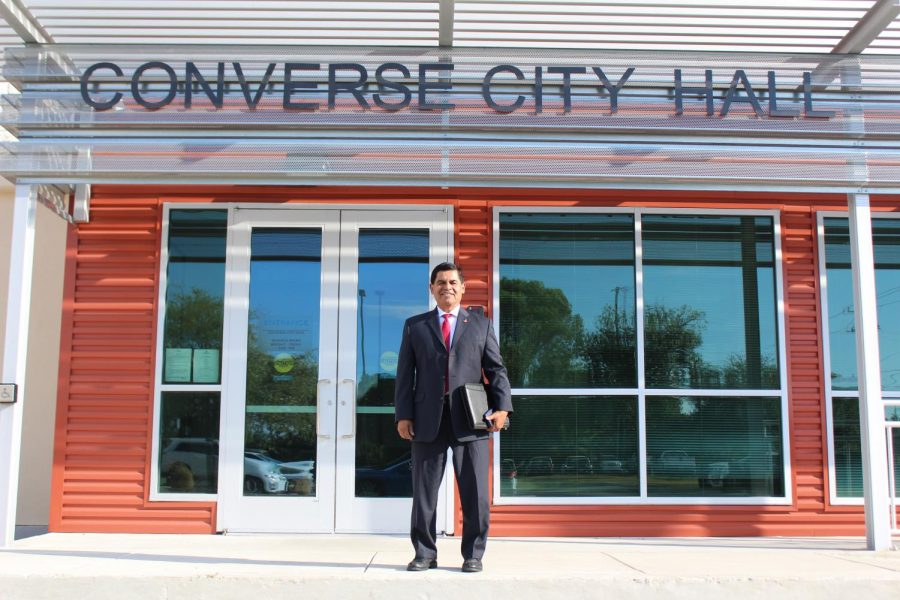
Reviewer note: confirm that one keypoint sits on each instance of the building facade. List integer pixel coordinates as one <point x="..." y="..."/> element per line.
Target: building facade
<point x="663" y="243"/>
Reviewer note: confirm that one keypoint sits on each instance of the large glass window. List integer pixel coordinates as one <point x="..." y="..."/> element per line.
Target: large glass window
<point x="572" y="446"/>
<point x="841" y="331"/>
<point x="567" y="300"/>
<point x="191" y="352"/>
<point x="841" y="317"/>
<point x="709" y="294"/>
<point x="568" y="315"/>
<point x="701" y="446"/>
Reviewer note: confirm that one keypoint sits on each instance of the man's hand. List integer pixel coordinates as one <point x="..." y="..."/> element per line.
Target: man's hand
<point x="405" y="429"/>
<point x="497" y="419"/>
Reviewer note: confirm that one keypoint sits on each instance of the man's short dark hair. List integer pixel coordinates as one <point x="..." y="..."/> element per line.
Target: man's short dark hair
<point x="447" y="266"/>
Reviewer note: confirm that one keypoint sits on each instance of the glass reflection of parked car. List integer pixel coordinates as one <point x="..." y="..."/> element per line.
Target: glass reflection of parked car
<point x="262" y="474"/>
<point x="391" y="481"/>
<point x="508" y="474"/>
<point x="190" y="464"/>
<point x="732" y="475"/>
<point x="577" y="465"/>
<point x="674" y="463"/>
<point x="611" y="465"/>
<point x="300" y="476"/>
<point x="538" y="465"/>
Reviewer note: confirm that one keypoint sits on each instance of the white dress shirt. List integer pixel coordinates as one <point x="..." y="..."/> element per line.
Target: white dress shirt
<point x="455" y="313"/>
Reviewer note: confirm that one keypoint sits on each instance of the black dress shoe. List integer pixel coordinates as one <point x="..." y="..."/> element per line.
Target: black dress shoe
<point x="422" y="564"/>
<point x="472" y="565"/>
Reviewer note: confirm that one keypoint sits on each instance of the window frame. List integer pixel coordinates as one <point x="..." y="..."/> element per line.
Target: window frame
<point x="159" y="388"/>
<point x="641" y="392"/>
<point x="888" y="398"/>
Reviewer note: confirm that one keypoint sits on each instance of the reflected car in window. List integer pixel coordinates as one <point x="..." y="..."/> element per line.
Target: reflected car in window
<point x="611" y="465"/>
<point x="300" y="476"/>
<point x="189" y="464"/>
<point x="736" y="475"/>
<point x="262" y="474"/>
<point x="391" y="481"/>
<point x="538" y="465"/>
<point x="577" y="465"/>
<point x="674" y="463"/>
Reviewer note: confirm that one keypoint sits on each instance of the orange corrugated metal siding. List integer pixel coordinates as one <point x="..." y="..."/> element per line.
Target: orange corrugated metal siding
<point x="104" y="424"/>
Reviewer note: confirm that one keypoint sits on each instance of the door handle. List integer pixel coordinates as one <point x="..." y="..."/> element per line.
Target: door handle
<point x="319" y="407"/>
<point x="352" y="410"/>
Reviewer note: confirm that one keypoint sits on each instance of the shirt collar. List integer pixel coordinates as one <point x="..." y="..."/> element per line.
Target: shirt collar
<point x="454" y="312"/>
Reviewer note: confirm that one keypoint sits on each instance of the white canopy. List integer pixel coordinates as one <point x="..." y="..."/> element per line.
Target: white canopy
<point x="804" y="26"/>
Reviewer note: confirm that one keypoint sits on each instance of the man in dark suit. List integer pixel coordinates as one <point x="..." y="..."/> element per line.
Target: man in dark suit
<point x="440" y="351"/>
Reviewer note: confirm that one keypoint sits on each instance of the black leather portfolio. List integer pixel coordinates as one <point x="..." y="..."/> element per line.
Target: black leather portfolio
<point x="475" y="401"/>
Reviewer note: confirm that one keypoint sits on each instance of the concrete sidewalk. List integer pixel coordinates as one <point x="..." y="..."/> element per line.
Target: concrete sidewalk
<point x="171" y="567"/>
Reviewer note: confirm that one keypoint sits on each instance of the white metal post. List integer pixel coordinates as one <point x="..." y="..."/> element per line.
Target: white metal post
<point x="868" y="364"/>
<point x="14" y="352"/>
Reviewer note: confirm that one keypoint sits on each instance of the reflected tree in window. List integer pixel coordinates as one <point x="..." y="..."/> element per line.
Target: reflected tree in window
<point x="194" y="320"/>
<point x="280" y="434"/>
<point x="567" y="299"/>
<point x="609" y="351"/>
<point x="722" y="268"/>
<point x="539" y="335"/>
<point x="673" y="336"/>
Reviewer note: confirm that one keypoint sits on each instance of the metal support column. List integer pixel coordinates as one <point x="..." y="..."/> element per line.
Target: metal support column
<point x="868" y="365"/>
<point x="15" y="348"/>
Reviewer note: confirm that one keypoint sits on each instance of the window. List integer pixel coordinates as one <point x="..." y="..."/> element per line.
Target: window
<point x="723" y="337"/>
<point x="842" y="384"/>
<point x="195" y="295"/>
<point x="567" y="300"/>
<point x="644" y="353"/>
<point x="189" y="448"/>
<point x="190" y="352"/>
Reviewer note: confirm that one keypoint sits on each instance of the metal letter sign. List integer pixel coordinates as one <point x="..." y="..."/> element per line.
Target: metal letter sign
<point x="7" y="393"/>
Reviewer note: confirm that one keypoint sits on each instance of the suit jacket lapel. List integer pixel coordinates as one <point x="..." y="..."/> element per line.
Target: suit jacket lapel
<point x="433" y="326"/>
<point x="462" y="323"/>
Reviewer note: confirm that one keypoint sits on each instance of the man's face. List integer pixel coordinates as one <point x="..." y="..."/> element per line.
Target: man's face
<point x="448" y="290"/>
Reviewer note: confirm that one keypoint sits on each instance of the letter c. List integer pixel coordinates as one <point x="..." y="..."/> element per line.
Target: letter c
<point x="85" y="80"/>
<point x="486" y="89"/>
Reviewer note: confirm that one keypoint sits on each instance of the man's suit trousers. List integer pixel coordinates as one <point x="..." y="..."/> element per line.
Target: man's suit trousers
<point x="470" y="463"/>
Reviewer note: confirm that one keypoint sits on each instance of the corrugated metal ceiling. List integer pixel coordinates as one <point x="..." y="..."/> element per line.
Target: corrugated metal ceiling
<point x="804" y="26"/>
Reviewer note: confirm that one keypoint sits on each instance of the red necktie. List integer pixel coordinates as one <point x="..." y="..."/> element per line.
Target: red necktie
<point x="445" y="331"/>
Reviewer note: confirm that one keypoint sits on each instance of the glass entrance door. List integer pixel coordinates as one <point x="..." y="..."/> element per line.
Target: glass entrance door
<point x="317" y="300"/>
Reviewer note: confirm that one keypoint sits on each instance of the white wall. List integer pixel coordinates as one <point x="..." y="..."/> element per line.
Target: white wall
<point x="43" y="354"/>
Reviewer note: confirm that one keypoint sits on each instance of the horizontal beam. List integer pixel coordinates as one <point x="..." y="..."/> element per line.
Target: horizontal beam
<point x="24" y="23"/>
<point x="869" y="27"/>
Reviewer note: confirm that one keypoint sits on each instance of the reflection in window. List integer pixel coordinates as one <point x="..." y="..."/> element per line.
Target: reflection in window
<point x="568" y="320"/>
<point x="723" y="339"/>
<point x="700" y="446"/>
<point x="848" y="446"/>
<point x="282" y="361"/>
<point x="189" y="442"/>
<point x="393" y="264"/>
<point x="841" y="317"/>
<point x="195" y="291"/>
<point x="567" y="300"/>
<point x="192" y="347"/>
<point x="571" y="446"/>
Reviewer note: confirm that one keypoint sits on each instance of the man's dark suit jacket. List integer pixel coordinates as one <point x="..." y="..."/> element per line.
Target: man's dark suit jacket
<point x="422" y="365"/>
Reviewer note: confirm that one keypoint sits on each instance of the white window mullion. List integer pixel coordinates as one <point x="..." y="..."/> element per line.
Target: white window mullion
<point x="639" y="332"/>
